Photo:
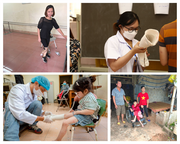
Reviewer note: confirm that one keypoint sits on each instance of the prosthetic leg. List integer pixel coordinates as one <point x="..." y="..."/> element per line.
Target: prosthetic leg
<point x="150" y="38"/>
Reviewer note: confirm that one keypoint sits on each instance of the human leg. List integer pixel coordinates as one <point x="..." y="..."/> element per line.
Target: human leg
<point x="45" y="43"/>
<point x="65" y="124"/>
<point x="141" y="123"/>
<point x="11" y="125"/>
<point x="123" y="112"/>
<point x="146" y="111"/>
<point x="134" y="119"/>
<point x="35" y="108"/>
<point x="118" y="114"/>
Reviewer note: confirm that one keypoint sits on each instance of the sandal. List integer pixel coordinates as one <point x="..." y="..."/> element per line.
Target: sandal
<point x="118" y="123"/>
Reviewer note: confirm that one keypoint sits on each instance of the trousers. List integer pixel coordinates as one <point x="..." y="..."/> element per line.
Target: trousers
<point x="12" y="125"/>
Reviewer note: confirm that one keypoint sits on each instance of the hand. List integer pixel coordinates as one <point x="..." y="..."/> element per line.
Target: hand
<point x="138" y="49"/>
<point x="127" y="102"/>
<point x="141" y="106"/>
<point x="47" y="113"/>
<point x="47" y="119"/>
<point x="148" y="54"/>
<point x="71" y="111"/>
<point x="116" y="106"/>
<point x="76" y="98"/>
<point x="39" y="39"/>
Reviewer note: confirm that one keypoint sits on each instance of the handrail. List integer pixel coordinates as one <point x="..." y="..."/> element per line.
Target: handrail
<point x="27" y="24"/>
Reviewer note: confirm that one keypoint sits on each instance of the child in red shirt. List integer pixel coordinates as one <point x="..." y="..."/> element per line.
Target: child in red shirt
<point x="137" y="112"/>
<point x="144" y="100"/>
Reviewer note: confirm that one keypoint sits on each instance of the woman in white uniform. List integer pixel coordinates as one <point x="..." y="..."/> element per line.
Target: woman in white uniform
<point x="121" y="50"/>
<point x="23" y="107"/>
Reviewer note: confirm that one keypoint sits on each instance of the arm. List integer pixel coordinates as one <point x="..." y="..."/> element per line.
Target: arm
<point x="84" y="112"/>
<point x="39" y="118"/>
<point x="163" y="55"/>
<point x="70" y="61"/>
<point x="117" y="64"/>
<point x="60" y="31"/>
<point x="114" y="102"/>
<point x="147" y="103"/>
<point x="137" y="99"/>
<point x="125" y="99"/>
<point x="39" y="38"/>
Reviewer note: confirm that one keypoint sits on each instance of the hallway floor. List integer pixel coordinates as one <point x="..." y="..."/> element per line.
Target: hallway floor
<point x="21" y="53"/>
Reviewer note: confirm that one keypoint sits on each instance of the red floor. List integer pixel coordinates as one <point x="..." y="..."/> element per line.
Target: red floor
<point x="22" y="54"/>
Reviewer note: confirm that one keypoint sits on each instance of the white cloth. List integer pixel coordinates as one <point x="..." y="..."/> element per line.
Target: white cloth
<point x="116" y="47"/>
<point x="150" y="38"/>
<point x="19" y="99"/>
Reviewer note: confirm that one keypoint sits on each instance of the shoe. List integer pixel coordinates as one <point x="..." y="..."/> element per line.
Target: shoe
<point x="124" y="122"/>
<point x="47" y="55"/>
<point x="118" y="123"/>
<point x="44" y="59"/>
<point x="35" y="129"/>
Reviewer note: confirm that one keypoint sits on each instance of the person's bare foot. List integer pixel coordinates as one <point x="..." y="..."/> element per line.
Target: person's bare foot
<point x="142" y="125"/>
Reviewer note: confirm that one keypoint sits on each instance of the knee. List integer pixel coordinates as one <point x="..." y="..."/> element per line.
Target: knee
<point x="65" y="124"/>
<point x="37" y="104"/>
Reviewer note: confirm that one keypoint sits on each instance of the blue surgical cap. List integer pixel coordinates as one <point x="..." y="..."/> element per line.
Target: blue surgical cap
<point x="43" y="81"/>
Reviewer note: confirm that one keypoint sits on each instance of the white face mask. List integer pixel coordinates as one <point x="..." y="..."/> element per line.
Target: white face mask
<point x="37" y="92"/>
<point x="128" y="35"/>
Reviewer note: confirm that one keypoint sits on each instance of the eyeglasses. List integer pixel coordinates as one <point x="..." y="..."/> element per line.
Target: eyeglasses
<point x="131" y="30"/>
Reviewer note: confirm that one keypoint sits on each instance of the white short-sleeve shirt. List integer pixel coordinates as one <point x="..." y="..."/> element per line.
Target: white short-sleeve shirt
<point x="116" y="47"/>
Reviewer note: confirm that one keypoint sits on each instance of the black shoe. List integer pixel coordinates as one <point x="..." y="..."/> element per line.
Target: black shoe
<point x="35" y="129"/>
<point x="44" y="59"/>
<point x="47" y="55"/>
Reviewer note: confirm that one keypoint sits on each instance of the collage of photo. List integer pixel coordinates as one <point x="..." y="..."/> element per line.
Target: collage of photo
<point x="89" y="71"/>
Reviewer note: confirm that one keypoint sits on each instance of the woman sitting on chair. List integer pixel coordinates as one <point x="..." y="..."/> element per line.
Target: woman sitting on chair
<point x="64" y="88"/>
<point x="45" y="26"/>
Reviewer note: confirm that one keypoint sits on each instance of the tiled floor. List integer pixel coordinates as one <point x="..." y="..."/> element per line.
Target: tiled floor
<point x="22" y="54"/>
<point x="51" y="131"/>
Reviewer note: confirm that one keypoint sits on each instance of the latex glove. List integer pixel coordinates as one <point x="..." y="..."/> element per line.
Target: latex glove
<point x="47" y="119"/>
<point x="47" y="113"/>
<point x="39" y="98"/>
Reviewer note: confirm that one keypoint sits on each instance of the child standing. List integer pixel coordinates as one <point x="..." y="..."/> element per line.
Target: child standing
<point x="87" y="110"/>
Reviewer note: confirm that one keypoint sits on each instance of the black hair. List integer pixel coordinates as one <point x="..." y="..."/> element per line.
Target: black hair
<point x="125" y="19"/>
<point x="134" y="101"/>
<point x="48" y="7"/>
<point x="118" y="81"/>
<point x="81" y="84"/>
<point x="142" y="87"/>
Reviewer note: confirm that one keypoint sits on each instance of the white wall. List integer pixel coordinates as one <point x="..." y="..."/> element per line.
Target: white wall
<point x="10" y="77"/>
<point x="103" y="91"/>
<point x="31" y="13"/>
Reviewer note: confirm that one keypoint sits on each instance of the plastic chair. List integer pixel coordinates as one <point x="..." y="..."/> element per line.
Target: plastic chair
<point x="63" y="98"/>
<point x="103" y="106"/>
